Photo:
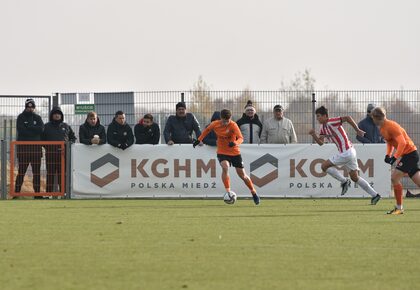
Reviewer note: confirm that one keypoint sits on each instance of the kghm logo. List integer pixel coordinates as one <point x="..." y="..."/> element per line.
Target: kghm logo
<point x="266" y="159"/>
<point x="110" y="177"/>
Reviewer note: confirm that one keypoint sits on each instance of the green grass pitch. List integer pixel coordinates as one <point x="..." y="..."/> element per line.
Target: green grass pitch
<point x="205" y="244"/>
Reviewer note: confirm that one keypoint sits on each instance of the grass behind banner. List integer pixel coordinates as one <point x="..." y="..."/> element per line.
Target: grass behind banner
<point x="205" y="244"/>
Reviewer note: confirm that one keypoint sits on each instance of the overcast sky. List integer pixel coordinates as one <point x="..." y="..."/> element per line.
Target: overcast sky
<point x="123" y="45"/>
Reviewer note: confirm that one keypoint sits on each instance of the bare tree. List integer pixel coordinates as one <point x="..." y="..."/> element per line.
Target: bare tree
<point x="202" y="104"/>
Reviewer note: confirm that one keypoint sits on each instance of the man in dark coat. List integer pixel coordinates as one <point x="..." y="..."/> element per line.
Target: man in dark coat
<point x="146" y="131"/>
<point x="29" y="127"/>
<point x="211" y="138"/>
<point x="179" y="128"/>
<point x="373" y="135"/>
<point x="56" y="130"/>
<point x="119" y="133"/>
<point x="92" y="132"/>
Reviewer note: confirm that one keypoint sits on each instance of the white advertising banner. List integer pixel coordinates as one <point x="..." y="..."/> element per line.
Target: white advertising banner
<point x="181" y="171"/>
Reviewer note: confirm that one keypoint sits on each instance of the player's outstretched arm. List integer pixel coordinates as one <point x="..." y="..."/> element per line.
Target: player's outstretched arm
<point x="352" y="123"/>
<point x="317" y="139"/>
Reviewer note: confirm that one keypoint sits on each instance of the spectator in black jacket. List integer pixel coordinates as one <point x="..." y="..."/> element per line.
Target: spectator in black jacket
<point x="56" y="130"/>
<point x="179" y="128"/>
<point x="211" y="138"/>
<point x="92" y="132"/>
<point x="146" y="131"/>
<point x="29" y="127"/>
<point x="372" y="135"/>
<point x="119" y="133"/>
<point x="250" y="125"/>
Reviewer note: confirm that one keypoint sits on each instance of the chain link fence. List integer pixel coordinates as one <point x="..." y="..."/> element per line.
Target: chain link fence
<point x="402" y="106"/>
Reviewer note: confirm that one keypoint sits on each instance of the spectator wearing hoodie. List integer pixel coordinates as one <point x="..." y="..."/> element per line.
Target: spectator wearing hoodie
<point x="211" y="138"/>
<point x="55" y="130"/>
<point x="250" y="125"/>
<point x="278" y="129"/>
<point x="179" y="128"/>
<point x="119" y="133"/>
<point x="92" y="132"/>
<point x="373" y="135"/>
<point x="146" y="131"/>
<point x="29" y="127"/>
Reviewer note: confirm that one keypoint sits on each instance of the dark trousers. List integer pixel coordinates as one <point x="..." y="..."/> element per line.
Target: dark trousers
<point x="29" y="155"/>
<point x="53" y="162"/>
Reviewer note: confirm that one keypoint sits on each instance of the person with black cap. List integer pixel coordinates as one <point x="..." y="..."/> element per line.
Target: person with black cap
<point x="373" y="135"/>
<point x="29" y="127"/>
<point x="278" y="129"/>
<point x="250" y="125"/>
<point x="119" y="133"/>
<point x="55" y="130"/>
<point x="179" y="128"/>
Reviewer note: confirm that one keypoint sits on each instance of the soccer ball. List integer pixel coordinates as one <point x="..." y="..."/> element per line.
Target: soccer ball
<point x="229" y="197"/>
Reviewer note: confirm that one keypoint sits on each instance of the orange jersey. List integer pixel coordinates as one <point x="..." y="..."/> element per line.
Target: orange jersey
<point x="225" y="134"/>
<point x="396" y="137"/>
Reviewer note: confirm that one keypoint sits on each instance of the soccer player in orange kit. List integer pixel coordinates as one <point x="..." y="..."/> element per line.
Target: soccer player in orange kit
<point x="397" y="139"/>
<point x="228" y="153"/>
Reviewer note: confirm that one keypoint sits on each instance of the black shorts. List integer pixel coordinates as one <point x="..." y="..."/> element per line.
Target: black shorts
<point x="235" y="161"/>
<point x="409" y="163"/>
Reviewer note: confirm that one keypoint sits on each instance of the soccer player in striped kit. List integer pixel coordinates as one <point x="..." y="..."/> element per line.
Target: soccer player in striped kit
<point x="333" y="131"/>
<point x="398" y="146"/>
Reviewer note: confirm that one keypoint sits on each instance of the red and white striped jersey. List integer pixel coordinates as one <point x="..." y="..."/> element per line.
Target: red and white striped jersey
<point x="335" y="133"/>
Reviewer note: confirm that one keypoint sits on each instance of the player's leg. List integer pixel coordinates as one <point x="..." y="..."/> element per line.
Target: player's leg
<point x="353" y="168"/>
<point x="248" y="182"/>
<point x="225" y="174"/>
<point x="354" y="175"/>
<point x="414" y="170"/>
<point x="416" y="178"/>
<point x="408" y="164"/>
<point x="329" y="167"/>
<point x="396" y="177"/>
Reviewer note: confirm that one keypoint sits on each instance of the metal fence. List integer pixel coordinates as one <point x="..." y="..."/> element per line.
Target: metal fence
<point x="402" y="106"/>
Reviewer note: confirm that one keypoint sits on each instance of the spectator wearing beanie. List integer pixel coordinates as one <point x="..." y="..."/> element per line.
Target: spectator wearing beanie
<point x="29" y="127"/>
<point x="250" y="125"/>
<point x="180" y="127"/>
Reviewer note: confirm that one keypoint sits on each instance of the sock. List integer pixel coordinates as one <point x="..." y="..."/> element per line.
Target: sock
<point x="398" y="192"/>
<point x="226" y="182"/>
<point x="366" y="187"/>
<point x="336" y="174"/>
<point x="250" y="185"/>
